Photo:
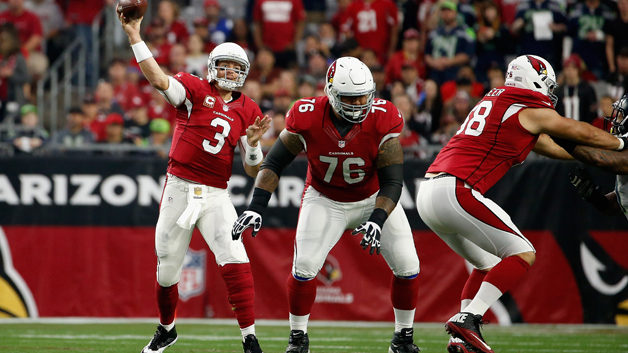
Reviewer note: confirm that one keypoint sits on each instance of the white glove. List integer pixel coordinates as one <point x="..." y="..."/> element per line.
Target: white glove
<point x="246" y="219"/>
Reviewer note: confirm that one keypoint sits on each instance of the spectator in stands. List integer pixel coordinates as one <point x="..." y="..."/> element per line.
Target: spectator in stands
<point x="544" y="43"/>
<point x="106" y="106"/>
<point x="241" y="36"/>
<point x="288" y="81"/>
<point x="80" y="14"/>
<point x="201" y="29"/>
<point x="340" y="17"/>
<point x="159" y="108"/>
<point x="379" y="78"/>
<point x="606" y="109"/>
<point x="279" y="27"/>
<point x="412" y="83"/>
<point x="219" y="27"/>
<point x="449" y="46"/>
<point x="408" y="138"/>
<point x="576" y="98"/>
<point x="264" y="71"/>
<point x="176" y="31"/>
<point x="30" y="136"/>
<point x="94" y="119"/>
<point x="53" y="24"/>
<point x="454" y="117"/>
<point x="409" y="53"/>
<point x="276" y="127"/>
<point x="427" y="121"/>
<point x="123" y="90"/>
<point x="74" y="134"/>
<point x="114" y="128"/>
<point x="328" y="38"/>
<point x="493" y="41"/>
<point x="307" y="86"/>
<point x="157" y="42"/>
<point x="508" y="10"/>
<point x="617" y="82"/>
<point x="178" y="55"/>
<point x="465" y="80"/>
<point x="13" y="72"/>
<point x="616" y="38"/>
<point x="585" y="26"/>
<point x="160" y="137"/>
<point x="374" y="25"/>
<point x="196" y="60"/>
<point x="137" y="122"/>
<point x="496" y="77"/>
<point x="312" y="45"/>
<point x="369" y="58"/>
<point x="283" y="100"/>
<point x="27" y="24"/>
<point x="253" y="90"/>
<point x="317" y="66"/>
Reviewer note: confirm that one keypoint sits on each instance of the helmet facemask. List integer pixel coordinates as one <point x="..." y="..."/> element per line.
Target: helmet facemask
<point x="617" y="120"/>
<point x="350" y="112"/>
<point x="551" y="86"/>
<point x="224" y="82"/>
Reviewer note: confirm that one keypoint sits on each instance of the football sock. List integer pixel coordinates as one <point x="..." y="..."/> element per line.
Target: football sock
<point x="403" y="319"/>
<point x="301" y="295"/>
<point x="239" y="281"/>
<point x="498" y="281"/>
<point x="404" y="293"/>
<point x="250" y="330"/>
<point x="168" y="327"/>
<point x="299" y="322"/>
<point x="471" y="287"/>
<point x="167" y="298"/>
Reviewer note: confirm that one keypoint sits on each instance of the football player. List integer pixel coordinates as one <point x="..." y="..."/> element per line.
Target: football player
<point x="354" y="181"/>
<point x="212" y="118"/>
<point x="615" y="202"/>
<point x="498" y="133"/>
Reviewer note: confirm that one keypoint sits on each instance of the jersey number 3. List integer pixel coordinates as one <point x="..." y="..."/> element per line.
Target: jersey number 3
<point x="219" y="137"/>
<point x="476" y="120"/>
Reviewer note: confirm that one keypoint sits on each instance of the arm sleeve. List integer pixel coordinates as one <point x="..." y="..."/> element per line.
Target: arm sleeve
<point x="175" y="94"/>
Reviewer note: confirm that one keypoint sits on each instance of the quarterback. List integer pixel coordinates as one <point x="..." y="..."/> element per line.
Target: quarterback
<point x="498" y="133"/>
<point x="354" y="180"/>
<point x="212" y="118"/>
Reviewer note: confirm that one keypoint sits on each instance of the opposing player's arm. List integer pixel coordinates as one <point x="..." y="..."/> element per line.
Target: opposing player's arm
<point x="548" y="148"/>
<point x="171" y="89"/>
<point x="548" y="121"/>
<point x="283" y="151"/>
<point x="615" y="162"/>
<point x="590" y="192"/>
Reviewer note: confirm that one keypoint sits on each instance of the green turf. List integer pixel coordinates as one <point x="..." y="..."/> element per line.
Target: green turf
<point x="131" y="337"/>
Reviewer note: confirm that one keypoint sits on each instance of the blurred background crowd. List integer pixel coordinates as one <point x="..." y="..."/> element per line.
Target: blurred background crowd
<point x="434" y="59"/>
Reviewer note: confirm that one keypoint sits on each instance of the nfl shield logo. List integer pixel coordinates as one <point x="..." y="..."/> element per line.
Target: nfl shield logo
<point x="341" y="144"/>
<point x="225" y="108"/>
<point x="192" y="281"/>
<point x="197" y="191"/>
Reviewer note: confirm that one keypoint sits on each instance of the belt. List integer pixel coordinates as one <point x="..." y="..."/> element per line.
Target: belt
<point x="440" y="175"/>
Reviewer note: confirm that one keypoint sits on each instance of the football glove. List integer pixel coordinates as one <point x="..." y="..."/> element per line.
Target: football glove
<point x="372" y="232"/>
<point x="246" y="219"/>
<point x="581" y="180"/>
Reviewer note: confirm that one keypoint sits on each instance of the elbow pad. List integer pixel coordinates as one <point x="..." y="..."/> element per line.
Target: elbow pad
<point x="277" y="158"/>
<point x="391" y="181"/>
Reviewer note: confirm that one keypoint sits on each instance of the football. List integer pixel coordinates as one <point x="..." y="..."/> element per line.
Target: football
<point x="132" y="9"/>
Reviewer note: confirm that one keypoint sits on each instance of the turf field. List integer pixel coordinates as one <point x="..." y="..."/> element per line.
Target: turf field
<point x="223" y="336"/>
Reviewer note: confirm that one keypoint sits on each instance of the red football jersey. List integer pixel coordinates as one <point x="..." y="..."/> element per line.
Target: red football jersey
<point x="371" y="24"/>
<point x="207" y="132"/>
<point x="342" y="168"/>
<point x="491" y="139"/>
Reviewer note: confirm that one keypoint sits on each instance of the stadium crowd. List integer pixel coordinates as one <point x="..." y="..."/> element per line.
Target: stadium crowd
<point x="434" y="59"/>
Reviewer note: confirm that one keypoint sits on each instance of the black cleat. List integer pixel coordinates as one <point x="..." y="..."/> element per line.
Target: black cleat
<point x="457" y="345"/>
<point x="466" y="326"/>
<point x="251" y="345"/>
<point x="162" y="340"/>
<point x="298" y="342"/>
<point x="402" y="342"/>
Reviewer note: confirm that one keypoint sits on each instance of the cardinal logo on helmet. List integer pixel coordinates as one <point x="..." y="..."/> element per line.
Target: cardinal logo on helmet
<point x="537" y="64"/>
<point x="331" y="72"/>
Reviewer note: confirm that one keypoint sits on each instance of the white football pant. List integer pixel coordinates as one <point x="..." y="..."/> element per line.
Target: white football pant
<point x="322" y="222"/>
<point x="215" y="221"/>
<point x="473" y="226"/>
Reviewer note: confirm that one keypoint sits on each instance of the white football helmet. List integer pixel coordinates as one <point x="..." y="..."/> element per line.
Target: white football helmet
<point x="228" y="52"/>
<point x="533" y="72"/>
<point x="348" y="76"/>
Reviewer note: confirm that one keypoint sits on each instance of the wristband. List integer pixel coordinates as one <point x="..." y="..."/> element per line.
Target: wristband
<point x="622" y="143"/>
<point x="253" y="155"/>
<point x="141" y="51"/>
<point x="378" y="217"/>
<point x="259" y="201"/>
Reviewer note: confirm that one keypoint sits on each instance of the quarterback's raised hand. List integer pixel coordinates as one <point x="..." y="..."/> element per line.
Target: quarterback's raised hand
<point x="372" y="232"/>
<point x="255" y="131"/>
<point x="581" y="180"/>
<point x="246" y="219"/>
